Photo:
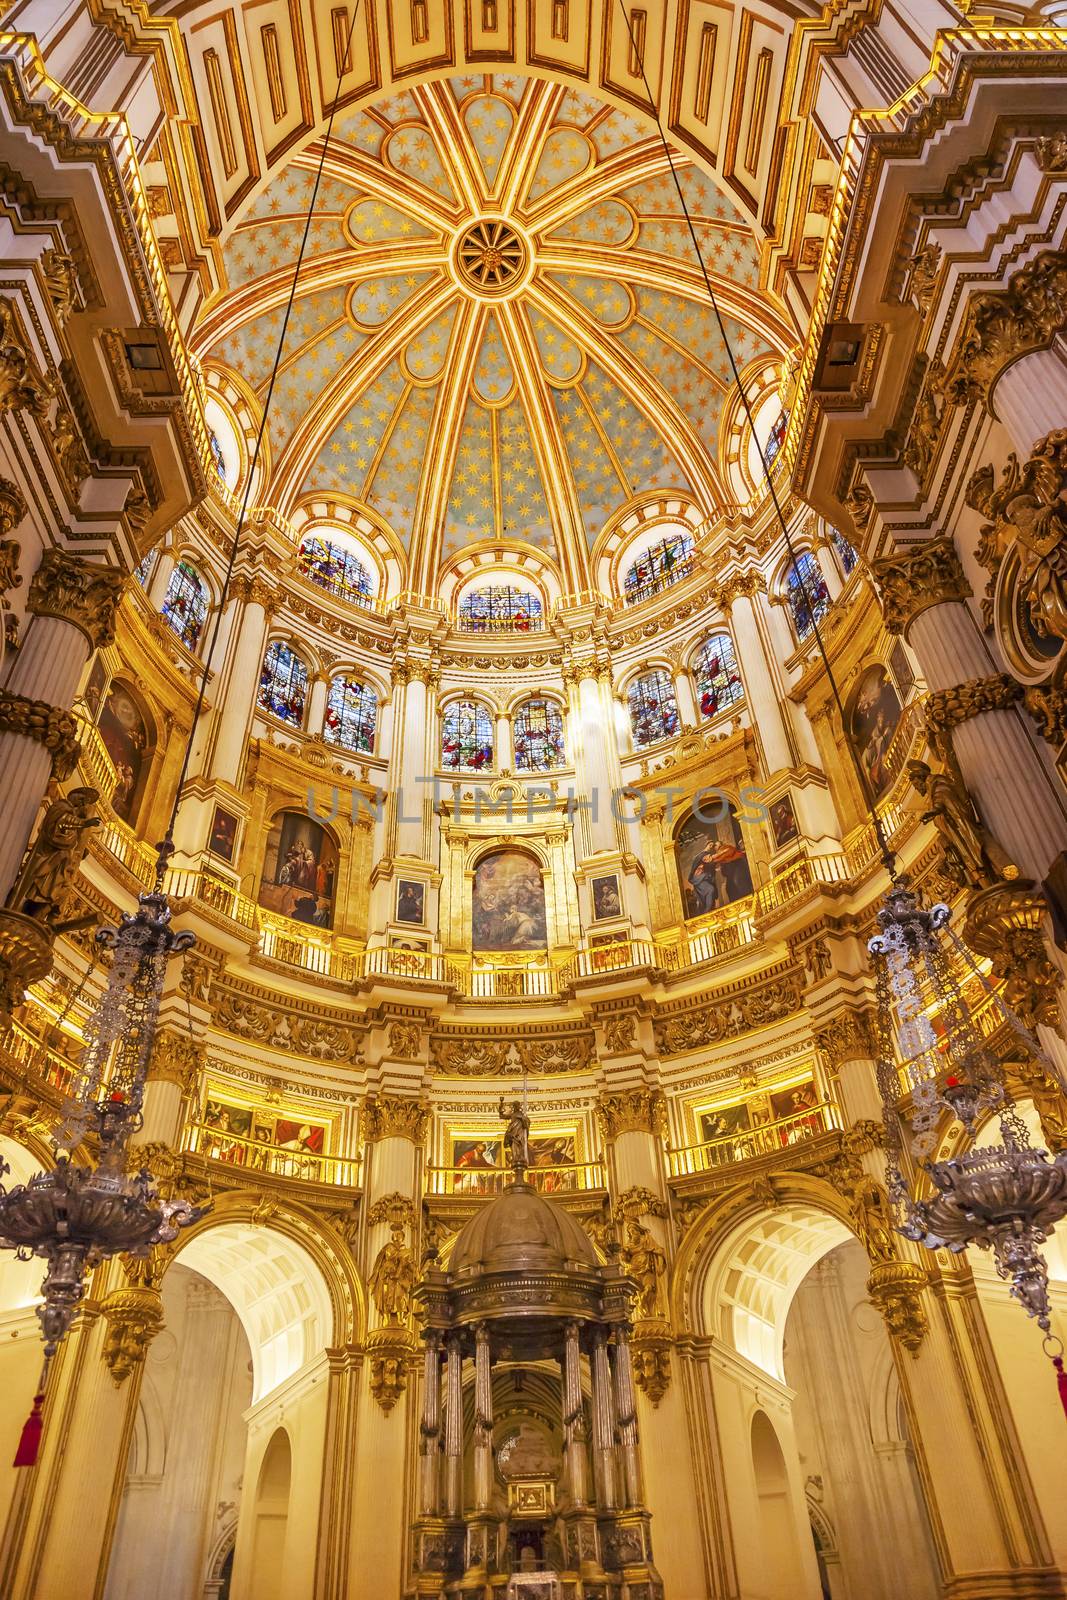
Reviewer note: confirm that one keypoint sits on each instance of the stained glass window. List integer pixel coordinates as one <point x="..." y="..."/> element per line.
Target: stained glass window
<point x="718" y="681"/>
<point x="467" y="737"/>
<point x="500" y="608"/>
<point x="775" y="437"/>
<point x="351" y="715"/>
<point x="845" y="553"/>
<point x="662" y="564"/>
<point x="185" y="604"/>
<point x="806" y="591"/>
<point x="538" y="736"/>
<point x="336" y="568"/>
<point x="144" y="571"/>
<point x="217" y="455"/>
<point x="283" y="683"/>
<point x="653" y="709"/>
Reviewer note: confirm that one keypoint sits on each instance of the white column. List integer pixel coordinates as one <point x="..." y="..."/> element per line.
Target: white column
<point x="316" y="711"/>
<point x="596" y="762"/>
<point x="160" y="580"/>
<point x="503" y="753"/>
<point x="761" y="690"/>
<point x="688" y="713"/>
<point x="1030" y="397"/>
<point x="236" y="696"/>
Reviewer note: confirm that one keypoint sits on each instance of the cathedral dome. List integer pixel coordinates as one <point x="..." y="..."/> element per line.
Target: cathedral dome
<point x="521" y="1231"/>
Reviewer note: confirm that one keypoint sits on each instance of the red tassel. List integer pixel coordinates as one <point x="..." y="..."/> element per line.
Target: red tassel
<point x="1061" y="1381"/>
<point x="32" y="1428"/>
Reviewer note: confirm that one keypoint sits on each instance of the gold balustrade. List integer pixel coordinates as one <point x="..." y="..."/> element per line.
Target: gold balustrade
<point x="746" y="1145"/>
<point x="485" y="1182"/>
<point x="276" y="1161"/>
<point x="36" y="1059"/>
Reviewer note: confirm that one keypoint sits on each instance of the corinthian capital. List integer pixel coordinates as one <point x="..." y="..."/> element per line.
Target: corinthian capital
<point x="632" y="1111"/>
<point x="394" y="1116"/>
<point x="917" y="577"/>
<point x="77" y="591"/>
<point x="742" y="585"/>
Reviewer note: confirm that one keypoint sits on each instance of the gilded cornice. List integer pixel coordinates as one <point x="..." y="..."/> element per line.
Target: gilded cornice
<point x="298" y="1027"/>
<point x="77" y="591"/>
<point x="394" y="1116"/>
<point x="916" y="577"/>
<point x="631" y="1111"/>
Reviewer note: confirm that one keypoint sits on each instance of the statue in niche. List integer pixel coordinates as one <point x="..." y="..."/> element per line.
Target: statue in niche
<point x="393" y="1278"/>
<point x="53" y="859"/>
<point x="1027" y="511"/>
<point x="645" y="1261"/>
<point x="973" y="858"/>
<point x="516" y="1135"/>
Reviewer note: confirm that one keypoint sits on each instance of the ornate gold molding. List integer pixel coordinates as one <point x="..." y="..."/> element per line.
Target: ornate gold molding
<point x="177" y="1058"/>
<point x="25" y="957"/>
<point x="651" y="1344"/>
<point x="77" y="591"/>
<point x="947" y="708"/>
<point x="631" y="1111"/>
<point x="405" y="1040"/>
<point x="252" y="589"/>
<point x="394" y="1116"/>
<point x="1005" y="324"/>
<point x="732" y="1012"/>
<point x="390" y="1350"/>
<point x="849" y="1036"/>
<point x="23" y="387"/>
<point x="1028" y="516"/>
<point x="134" y="1317"/>
<point x="742" y="585"/>
<point x="1005" y="923"/>
<point x="1048" y="707"/>
<point x="896" y="1287"/>
<point x="46" y="725"/>
<point x="917" y="577"/>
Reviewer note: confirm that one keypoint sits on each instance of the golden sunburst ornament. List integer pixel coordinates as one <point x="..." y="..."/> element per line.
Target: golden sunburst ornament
<point x="490" y="256"/>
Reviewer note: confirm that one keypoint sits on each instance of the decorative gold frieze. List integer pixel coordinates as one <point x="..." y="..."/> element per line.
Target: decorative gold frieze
<point x="71" y="457"/>
<point x="394" y="1116"/>
<point x="859" y="503"/>
<point x="1005" y="324"/>
<point x="947" y="708"/>
<point x="283" y="1028"/>
<point x="479" y="1056"/>
<point x="921" y="443"/>
<point x="47" y="725"/>
<point x="12" y="511"/>
<point x="916" y="577"/>
<point x="23" y="387"/>
<point x="396" y="1208"/>
<point x="971" y="857"/>
<point x="1005" y="923"/>
<point x="134" y="1316"/>
<point x="631" y="1111"/>
<point x="730" y="1015"/>
<point x="77" y="591"/>
<point x="1028" y="516"/>
<point x="1051" y="152"/>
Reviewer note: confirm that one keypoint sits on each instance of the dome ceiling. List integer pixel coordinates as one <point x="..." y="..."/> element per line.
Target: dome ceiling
<point x="498" y="313"/>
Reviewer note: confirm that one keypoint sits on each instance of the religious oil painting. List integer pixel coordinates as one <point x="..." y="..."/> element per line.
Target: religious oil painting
<point x="607" y="901"/>
<point x="722" y="1122"/>
<point x="797" y="1108"/>
<point x="261" y="1138"/>
<point x="875" y="715"/>
<point x="223" y="838"/>
<point x="783" y="821"/>
<point x="475" y="1157"/>
<point x="299" y="870"/>
<point x="552" y="1157"/>
<point x="411" y="901"/>
<point x="508" y="907"/>
<point x="124" y="731"/>
<point x="712" y="863"/>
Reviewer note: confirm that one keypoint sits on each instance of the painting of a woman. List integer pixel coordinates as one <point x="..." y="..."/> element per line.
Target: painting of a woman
<point x="299" y="870"/>
<point x="712" y="864"/>
<point x="127" y="740"/>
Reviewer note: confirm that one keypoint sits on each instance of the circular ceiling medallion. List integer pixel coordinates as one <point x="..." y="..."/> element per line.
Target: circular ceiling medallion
<point x="491" y="257"/>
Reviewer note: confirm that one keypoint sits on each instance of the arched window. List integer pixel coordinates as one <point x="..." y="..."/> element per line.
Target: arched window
<point x="336" y="568"/>
<point x="718" y="681"/>
<point x="775" y="438"/>
<point x="500" y="608"/>
<point x="283" y="683"/>
<point x="845" y="553"/>
<point x="806" y="592"/>
<point x="185" y="604"/>
<point x="661" y="564"/>
<point x="467" y="737"/>
<point x="653" y="709"/>
<point x="538" y="736"/>
<point x="351" y="715"/>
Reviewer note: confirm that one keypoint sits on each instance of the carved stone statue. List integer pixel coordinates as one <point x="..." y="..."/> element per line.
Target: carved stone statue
<point x="646" y="1262"/>
<point x="55" y="856"/>
<point x="516" y="1135"/>
<point x="973" y="858"/>
<point x="1027" y="512"/>
<point x="874" y="1221"/>
<point x="393" y="1279"/>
